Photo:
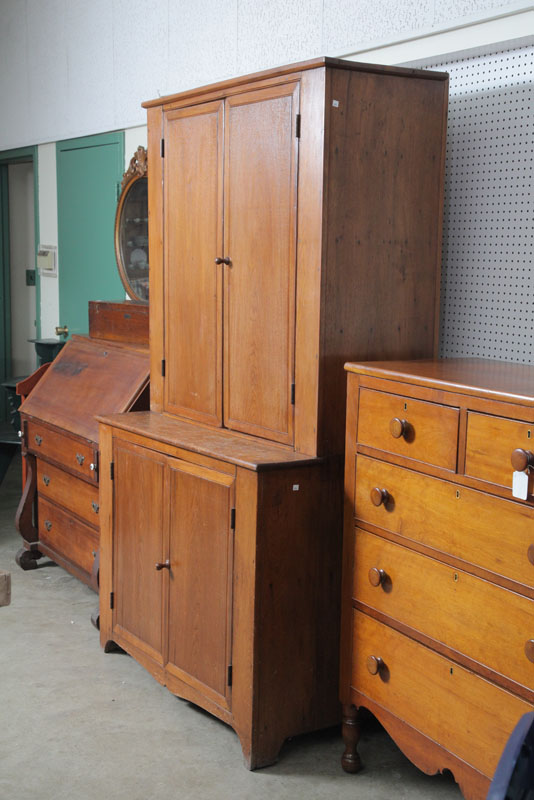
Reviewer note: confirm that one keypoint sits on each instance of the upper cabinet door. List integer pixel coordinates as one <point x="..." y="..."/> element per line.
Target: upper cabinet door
<point x="193" y="227"/>
<point x="260" y="198"/>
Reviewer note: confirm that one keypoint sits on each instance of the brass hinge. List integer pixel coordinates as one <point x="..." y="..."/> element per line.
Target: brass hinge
<point x="112" y="600"/>
<point x="112" y="470"/>
<point x="292" y="394"/>
<point x="163" y="148"/>
<point x="229" y="678"/>
<point x="163" y="367"/>
<point x="232" y="519"/>
<point x="297" y="132"/>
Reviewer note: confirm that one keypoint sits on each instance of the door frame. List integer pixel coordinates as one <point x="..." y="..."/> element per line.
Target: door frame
<point x="20" y="155"/>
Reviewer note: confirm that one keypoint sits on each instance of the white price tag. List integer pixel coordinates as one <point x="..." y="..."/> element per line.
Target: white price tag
<point x="520" y="485"/>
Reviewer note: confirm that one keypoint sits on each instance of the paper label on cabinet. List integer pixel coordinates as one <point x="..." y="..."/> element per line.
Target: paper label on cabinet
<point x="520" y="485"/>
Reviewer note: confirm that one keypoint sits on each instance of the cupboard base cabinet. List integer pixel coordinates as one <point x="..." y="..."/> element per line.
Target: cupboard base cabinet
<point x="59" y="511"/>
<point x="220" y="573"/>
<point x="438" y="564"/>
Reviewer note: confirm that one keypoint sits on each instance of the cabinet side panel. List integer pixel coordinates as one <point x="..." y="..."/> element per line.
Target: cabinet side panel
<point x="193" y="281"/>
<point x="155" y="245"/>
<point x="298" y="562"/>
<point x="385" y="181"/>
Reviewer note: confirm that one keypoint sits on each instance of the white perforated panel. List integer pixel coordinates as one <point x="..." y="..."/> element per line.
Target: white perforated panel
<point x="487" y="299"/>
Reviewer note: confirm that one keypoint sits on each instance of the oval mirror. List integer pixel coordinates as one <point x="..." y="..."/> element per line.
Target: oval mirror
<point x="131" y="229"/>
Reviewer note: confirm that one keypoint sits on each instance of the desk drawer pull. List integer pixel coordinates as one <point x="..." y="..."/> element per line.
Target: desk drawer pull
<point x="38" y="440"/>
<point x="374" y="664"/>
<point x="48" y="524"/>
<point x="80" y="459"/>
<point x="46" y="480"/>
<point x="379" y="496"/>
<point x="522" y="459"/>
<point x="377" y="577"/>
<point x="96" y="507"/>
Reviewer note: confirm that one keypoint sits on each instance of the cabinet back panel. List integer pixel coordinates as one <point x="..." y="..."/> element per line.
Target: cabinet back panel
<point x="193" y="282"/>
<point x="260" y="239"/>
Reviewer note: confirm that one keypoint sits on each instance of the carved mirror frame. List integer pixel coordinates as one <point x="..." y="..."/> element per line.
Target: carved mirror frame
<point x="131" y="232"/>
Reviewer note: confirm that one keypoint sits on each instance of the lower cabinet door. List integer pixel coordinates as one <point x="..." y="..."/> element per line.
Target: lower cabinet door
<point x="200" y="578"/>
<point x="138" y="546"/>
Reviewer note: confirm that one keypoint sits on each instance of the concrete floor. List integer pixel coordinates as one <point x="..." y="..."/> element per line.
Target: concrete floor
<point x="76" y="723"/>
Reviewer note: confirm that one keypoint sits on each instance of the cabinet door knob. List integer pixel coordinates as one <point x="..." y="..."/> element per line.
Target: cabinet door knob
<point x="398" y="427"/>
<point x="379" y="496"/>
<point x="374" y="664"/>
<point x="223" y="261"/>
<point x="522" y="459"/>
<point x="163" y="564"/>
<point x="376" y="576"/>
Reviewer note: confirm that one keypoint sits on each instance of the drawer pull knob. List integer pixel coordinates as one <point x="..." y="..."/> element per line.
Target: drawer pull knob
<point x="48" y="524"/>
<point x="379" y="496"/>
<point x="398" y="427"/>
<point x="377" y="576"/>
<point x="529" y="650"/>
<point x="530" y="553"/>
<point x="80" y="459"/>
<point x="522" y="460"/>
<point x="96" y="507"/>
<point x="92" y="467"/>
<point x="163" y="565"/>
<point x="38" y="440"/>
<point x="374" y="664"/>
<point x="46" y="480"/>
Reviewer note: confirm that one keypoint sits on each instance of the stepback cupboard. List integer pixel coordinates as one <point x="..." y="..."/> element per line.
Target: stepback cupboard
<point x="294" y="222"/>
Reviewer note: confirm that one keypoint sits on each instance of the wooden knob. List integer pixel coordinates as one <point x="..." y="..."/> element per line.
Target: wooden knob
<point x="376" y="576"/>
<point x="379" y="496"/>
<point x="374" y="664"/>
<point x="163" y="564"/>
<point x="397" y="427"/>
<point x="529" y="650"/>
<point x="522" y="459"/>
<point x="223" y="261"/>
<point x="530" y="553"/>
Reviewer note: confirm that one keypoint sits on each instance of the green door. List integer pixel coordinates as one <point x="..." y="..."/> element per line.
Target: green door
<point x="89" y="170"/>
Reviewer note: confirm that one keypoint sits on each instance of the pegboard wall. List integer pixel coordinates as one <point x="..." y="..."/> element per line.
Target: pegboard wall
<point x="487" y="292"/>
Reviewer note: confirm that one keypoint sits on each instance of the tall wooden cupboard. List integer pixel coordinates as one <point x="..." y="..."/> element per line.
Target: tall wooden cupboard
<point x="294" y="222"/>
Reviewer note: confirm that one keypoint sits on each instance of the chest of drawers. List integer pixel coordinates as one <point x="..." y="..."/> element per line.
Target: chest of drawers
<point x="438" y="583"/>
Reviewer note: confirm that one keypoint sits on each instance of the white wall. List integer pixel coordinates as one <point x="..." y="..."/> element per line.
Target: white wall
<point x="71" y="68"/>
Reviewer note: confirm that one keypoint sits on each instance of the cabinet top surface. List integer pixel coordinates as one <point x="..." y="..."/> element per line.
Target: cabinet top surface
<point x="300" y="66"/>
<point x="493" y="379"/>
<point x="254" y="454"/>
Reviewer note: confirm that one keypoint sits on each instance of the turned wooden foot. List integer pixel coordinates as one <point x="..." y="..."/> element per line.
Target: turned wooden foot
<point x="27" y="559"/>
<point x="350" y="760"/>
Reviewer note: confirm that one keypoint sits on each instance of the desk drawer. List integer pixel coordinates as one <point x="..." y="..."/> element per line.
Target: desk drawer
<point x="416" y="429"/>
<point x="469" y="716"/>
<point x="487" y="531"/>
<point x="490" y="444"/>
<point x="76" y="455"/>
<point x="485" y="622"/>
<point x="68" y="491"/>
<point x="67" y="536"/>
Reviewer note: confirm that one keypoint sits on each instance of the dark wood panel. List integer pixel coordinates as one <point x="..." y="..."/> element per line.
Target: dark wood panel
<point x="119" y="322"/>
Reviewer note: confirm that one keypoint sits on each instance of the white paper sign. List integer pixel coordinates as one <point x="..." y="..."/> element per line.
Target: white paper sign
<point x="520" y="485"/>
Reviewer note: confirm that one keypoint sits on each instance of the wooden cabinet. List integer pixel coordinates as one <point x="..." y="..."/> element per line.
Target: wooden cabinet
<point x="295" y="221"/>
<point x="58" y="514"/>
<point x="438" y="586"/>
<point x="218" y="573"/>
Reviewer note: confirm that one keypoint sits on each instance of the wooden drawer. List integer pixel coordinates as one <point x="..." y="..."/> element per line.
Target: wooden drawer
<point x="449" y="606"/>
<point x="68" y="491"/>
<point x="67" y="536"/>
<point x="490" y="444"/>
<point x="487" y="531"/>
<point x="77" y="456"/>
<point x="469" y="716"/>
<point x="429" y="430"/>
